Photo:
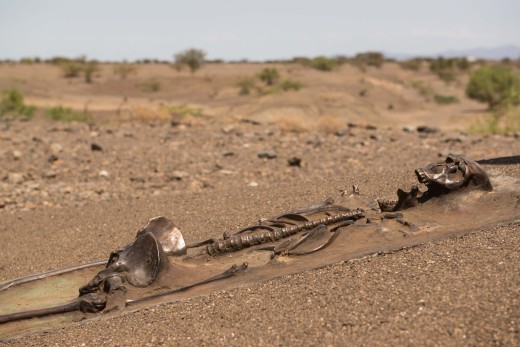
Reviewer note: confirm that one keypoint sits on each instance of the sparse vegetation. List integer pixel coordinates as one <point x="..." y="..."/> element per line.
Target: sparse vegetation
<point x="245" y="85"/>
<point x="124" y="69"/>
<point x="270" y="90"/>
<point x="290" y="85"/>
<point x="89" y="69"/>
<point x="323" y="63"/>
<point x="182" y="110"/>
<point x="192" y="58"/>
<point x="446" y="68"/>
<point x="375" y="59"/>
<point x="495" y="85"/>
<point x="152" y="86"/>
<point x="12" y="104"/>
<point x="411" y="64"/>
<point x="424" y="90"/>
<point x="71" y="68"/>
<point x="65" y="114"/>
<point x="506" y="119"/>
<point x="445" y="99"/>
<point x="269" y="76"/>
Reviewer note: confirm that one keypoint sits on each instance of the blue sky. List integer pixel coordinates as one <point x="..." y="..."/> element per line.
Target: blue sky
<point x="256" y="30"/>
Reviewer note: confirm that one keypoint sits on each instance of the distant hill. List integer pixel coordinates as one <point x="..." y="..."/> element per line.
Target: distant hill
<point x="492" y="53"/>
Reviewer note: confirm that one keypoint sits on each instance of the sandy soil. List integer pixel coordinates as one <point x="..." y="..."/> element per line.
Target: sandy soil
<point x="64" y="201"/>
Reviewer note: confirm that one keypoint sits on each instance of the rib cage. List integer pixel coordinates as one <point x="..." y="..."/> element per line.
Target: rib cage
<point x="241" y="241"/>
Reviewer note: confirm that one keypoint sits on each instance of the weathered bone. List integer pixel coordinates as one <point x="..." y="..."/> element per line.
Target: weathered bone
<point x="241" y="241"/>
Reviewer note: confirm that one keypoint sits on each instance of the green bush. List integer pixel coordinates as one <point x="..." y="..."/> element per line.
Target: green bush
<point x="269" y="76"/>
<point x="495" y="85"/>
<point x="71" y="67"/>
<point x="65" y="114"/>
<point x="445" y="99"/>
<point x="323" y="63"/>
<point x="291" y="85"/>
<point x="193" y="58"/>
<point x="375" y="59"/>
<point x="12" y="104"/>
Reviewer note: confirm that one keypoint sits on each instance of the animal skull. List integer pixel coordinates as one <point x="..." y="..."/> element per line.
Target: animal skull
<point x="451" y="174"/>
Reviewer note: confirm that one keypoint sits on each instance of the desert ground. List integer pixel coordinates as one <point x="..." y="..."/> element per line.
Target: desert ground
<point x="189" y="147"/>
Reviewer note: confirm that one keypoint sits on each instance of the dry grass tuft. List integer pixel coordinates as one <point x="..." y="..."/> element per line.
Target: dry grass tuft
<point x="145" y="114"/>
<point x="292" y="124"/>
<point x="329" y="124"/>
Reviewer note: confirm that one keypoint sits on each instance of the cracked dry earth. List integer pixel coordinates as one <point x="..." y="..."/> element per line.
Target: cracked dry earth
<point x="70" y="193"/>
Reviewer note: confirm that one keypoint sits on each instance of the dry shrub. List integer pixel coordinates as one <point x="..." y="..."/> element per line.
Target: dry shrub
<point x="292" y="124"/>
<point x="329" y="124"/>
<point x="146" y="114"/>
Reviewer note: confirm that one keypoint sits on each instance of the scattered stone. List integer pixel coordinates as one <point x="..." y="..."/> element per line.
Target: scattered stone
<point x="17" y="155"/>
<point x="410" y="128"/>
<point x="254" y="122"/>
<point x="376" y="137"/>
<point x="455" y="139"/>
<point x="56" y="148"/>
<point x="295" y="161"/>
<point x="104" y="174"/>
<point x="94" y="133"/>
<point x="15" y="178"/>
<point x="226" y="129"/>
<point x="252" y="184"/>
<point x="36" y="139"/>
<point x="267" y="154"/>
<point x="228" y="154"/>
<point x="341" y="132"/>
<point x="52" y="158"/>
<point x="96" y="147"/>
<point x="447" y="153"/>
<point x="370" y="127"/>
<point x="50" y="174"/>
<point x="179" y="175"/>
<point x="390" y="106"/>
<point x="427" y="129"/>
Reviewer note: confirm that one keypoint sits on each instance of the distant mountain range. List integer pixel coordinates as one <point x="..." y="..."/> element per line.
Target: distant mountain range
<point x="492" y="53"/>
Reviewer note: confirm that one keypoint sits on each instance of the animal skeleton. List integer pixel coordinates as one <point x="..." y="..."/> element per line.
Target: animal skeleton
<point x="299" y="232"/>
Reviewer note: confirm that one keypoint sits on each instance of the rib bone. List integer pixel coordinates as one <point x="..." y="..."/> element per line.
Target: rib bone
<point x="241" y="241"/>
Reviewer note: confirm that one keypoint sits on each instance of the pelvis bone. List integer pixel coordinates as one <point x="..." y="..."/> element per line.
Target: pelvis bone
<point x="140" y="262"/>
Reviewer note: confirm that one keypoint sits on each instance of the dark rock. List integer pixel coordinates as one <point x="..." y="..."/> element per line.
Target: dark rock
<point x="455" y="139"/>
<point x="96" y="147"/>
<point x="228" y="154"/>
<point x="427" y="129"/>
<point x="267" y="154"/>
<point x="254" y="122"/>
<point x="341" y="132"/>
<point x="295" y="161"/>
<point x="52" y="158"/>
<point x="447" y="153"/>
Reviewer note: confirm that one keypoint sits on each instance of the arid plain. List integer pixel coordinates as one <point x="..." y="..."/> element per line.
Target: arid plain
<point x="190" y="147"/>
